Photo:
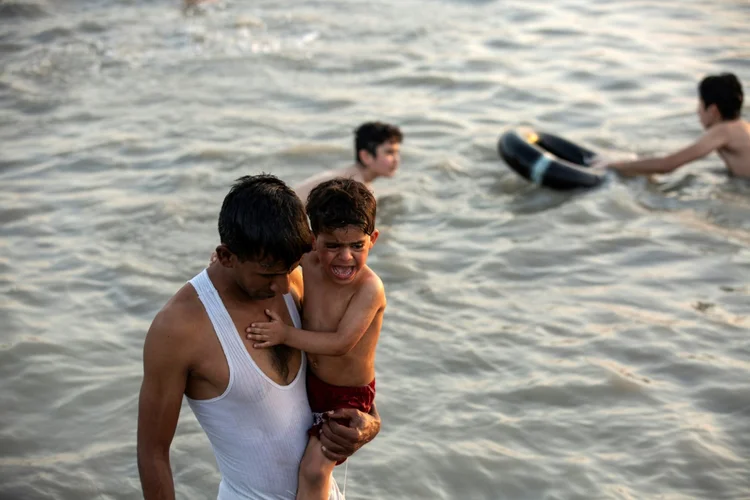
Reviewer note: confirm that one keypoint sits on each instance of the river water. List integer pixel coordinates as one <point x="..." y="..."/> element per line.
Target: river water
<point x="587" y="345"/>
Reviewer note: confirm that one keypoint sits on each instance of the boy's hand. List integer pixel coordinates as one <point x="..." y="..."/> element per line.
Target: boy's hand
<point x="268" y="334"/>
<point x="599" y="163"/>
<point x="602" y="163"/>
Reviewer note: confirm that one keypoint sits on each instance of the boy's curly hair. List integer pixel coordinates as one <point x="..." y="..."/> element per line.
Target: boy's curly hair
<point x="339" y="203"/>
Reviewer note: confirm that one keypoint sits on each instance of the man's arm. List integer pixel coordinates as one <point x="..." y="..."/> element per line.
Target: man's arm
<point x="357" y="319"/>
<point x="712" y="140"/>
<point x="341" y="441"/>
<point x="165" y="372"/>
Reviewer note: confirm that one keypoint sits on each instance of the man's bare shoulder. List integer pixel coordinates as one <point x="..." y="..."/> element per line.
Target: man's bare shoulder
<point x="178" y="322"/>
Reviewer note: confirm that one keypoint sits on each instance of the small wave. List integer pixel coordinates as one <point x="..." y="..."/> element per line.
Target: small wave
<point x="56" y="34"/>
<point x="209" y="154"/>
<point x="22" y="10"/>
<point x="420" y="81"/>
<point x="738" y="61"/>
<point x="56" y="64"/>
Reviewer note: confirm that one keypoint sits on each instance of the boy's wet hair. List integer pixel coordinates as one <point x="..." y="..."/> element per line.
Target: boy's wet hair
<point x="370" y="135"/>
<point x="339" y="203"/>
<point x="725" y="91"/>
<point x="263" y="220"/>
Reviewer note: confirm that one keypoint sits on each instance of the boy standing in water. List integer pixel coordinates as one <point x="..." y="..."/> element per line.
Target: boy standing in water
<point x="719" y="106"/>
<point x="377" y="153"/>
<point x="342" y="311"/>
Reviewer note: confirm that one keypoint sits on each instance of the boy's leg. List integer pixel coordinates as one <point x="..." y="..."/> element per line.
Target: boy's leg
<point x="314" y="473"/>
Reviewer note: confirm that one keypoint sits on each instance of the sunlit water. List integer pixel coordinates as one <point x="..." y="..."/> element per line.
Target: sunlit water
<point x="589" y="345"/>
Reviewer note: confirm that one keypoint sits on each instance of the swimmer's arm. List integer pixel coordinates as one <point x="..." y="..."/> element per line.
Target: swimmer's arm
<point x="165" y="372"/>
<point x="357" y="319"/>
<point x="712" y="140"/>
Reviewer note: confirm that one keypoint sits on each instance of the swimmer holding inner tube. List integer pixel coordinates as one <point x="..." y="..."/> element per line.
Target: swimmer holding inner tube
<point x="719" y="105"/>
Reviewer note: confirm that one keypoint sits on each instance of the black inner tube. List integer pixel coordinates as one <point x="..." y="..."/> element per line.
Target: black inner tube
<point x="547" y="159"/>
<point x="564" y="149"/>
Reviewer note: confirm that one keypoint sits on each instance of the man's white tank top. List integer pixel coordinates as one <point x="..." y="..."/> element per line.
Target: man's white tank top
<point x="257" y="428"/>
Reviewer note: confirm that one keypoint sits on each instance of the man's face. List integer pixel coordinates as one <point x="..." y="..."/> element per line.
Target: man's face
<point x="386" y="160"/>
<point x="259" y="280"/>
<point x="263" y="280"/>
<point x="343" y="252"/>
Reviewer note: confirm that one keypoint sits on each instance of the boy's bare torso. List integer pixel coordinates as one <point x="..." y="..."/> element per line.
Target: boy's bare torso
<point x="736" y="152"/>
<point x="324" y="305"/>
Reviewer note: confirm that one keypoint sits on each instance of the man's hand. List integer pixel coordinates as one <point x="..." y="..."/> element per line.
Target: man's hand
<point x="268" y="334"/>
<point x="341" y="440"/>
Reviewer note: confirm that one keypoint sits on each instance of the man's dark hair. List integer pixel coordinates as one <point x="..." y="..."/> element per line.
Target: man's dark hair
<point x="340" y="203"/>
<point x="370" y="135"/>
<point x="725" y="91"/>
<point x="262" y="219"/>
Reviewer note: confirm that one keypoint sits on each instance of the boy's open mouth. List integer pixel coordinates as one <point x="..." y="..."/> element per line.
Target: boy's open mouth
<point x="342" y="272"/>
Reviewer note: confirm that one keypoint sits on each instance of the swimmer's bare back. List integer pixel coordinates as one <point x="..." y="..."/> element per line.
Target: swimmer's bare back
<point x="736" y="151"/>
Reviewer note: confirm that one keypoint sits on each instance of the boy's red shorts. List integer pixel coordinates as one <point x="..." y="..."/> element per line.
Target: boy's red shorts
<point x="324" y="397"/>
